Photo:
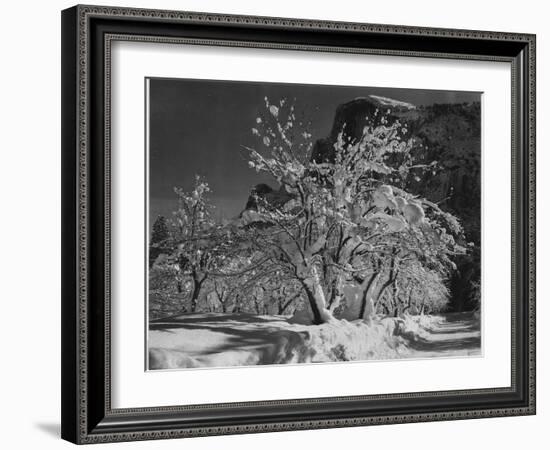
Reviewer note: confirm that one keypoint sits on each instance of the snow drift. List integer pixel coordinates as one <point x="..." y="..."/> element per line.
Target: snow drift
<point x="223" y="340"/>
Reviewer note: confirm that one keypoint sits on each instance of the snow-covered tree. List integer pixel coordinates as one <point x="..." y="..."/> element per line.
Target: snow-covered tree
<point x="348" y="221"/>
<point x="159" y="237"/>
<point x="195" y="248"/>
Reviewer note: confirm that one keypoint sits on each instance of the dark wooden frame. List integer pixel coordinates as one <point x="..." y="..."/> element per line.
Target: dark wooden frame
<point x="87" y="32"/>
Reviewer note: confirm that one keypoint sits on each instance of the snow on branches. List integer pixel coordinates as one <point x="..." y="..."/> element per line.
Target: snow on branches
<point x="349" y="219"/>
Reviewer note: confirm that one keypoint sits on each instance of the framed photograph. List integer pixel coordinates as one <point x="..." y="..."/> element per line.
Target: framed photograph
<point x="280" y="224"/>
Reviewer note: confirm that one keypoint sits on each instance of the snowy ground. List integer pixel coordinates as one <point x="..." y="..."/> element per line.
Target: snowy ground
<point x="222" y="340"/>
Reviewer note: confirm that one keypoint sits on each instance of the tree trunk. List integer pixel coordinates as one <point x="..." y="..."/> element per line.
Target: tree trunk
<point x="316" y="298"/>
<point x="337" y="294"/>
<point x="382" y="290"/>
<point x="409" y="301"/>
<point x="237" y="307"/>
<point x="368" y="287"/>
<point x="195" y="296"/>
<point x="313" y="305"/>
<point x="396" y="299"/>
<point x="197" y="284"/>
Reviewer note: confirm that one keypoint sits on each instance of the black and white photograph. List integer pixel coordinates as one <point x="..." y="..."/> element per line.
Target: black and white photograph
<point x="294" y="223"/>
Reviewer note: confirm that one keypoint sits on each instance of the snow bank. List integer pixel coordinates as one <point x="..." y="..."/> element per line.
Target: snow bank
<point x="414" y="328"/>
<point x="357" y="341"/>
<point x="222" y="340"/>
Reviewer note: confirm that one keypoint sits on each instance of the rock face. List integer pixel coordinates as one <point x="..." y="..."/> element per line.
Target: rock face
<point x="262" y="191"/>
<point x="350" y="118"/>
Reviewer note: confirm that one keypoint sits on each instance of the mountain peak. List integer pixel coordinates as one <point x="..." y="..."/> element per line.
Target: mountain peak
<point x="386" y="101"/>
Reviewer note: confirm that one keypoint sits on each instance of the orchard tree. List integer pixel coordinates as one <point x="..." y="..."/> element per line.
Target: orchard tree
<point x="348" y="221"/>
<point x="194" y="238"/>
<point x="160" y="235"/>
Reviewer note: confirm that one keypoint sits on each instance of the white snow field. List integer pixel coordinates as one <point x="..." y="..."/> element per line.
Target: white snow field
<point x="223" y="340"/>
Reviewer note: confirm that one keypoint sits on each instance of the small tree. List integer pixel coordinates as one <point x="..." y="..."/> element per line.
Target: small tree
<point x="194" y="249"/>
<point x="168" y="291"/>
<point x="160" y="235"/>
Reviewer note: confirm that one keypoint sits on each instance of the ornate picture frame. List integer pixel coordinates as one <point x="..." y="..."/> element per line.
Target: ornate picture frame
<point x="88" y="33"/>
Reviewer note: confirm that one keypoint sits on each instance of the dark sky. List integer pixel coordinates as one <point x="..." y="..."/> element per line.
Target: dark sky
<point x="198" y="127"/>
